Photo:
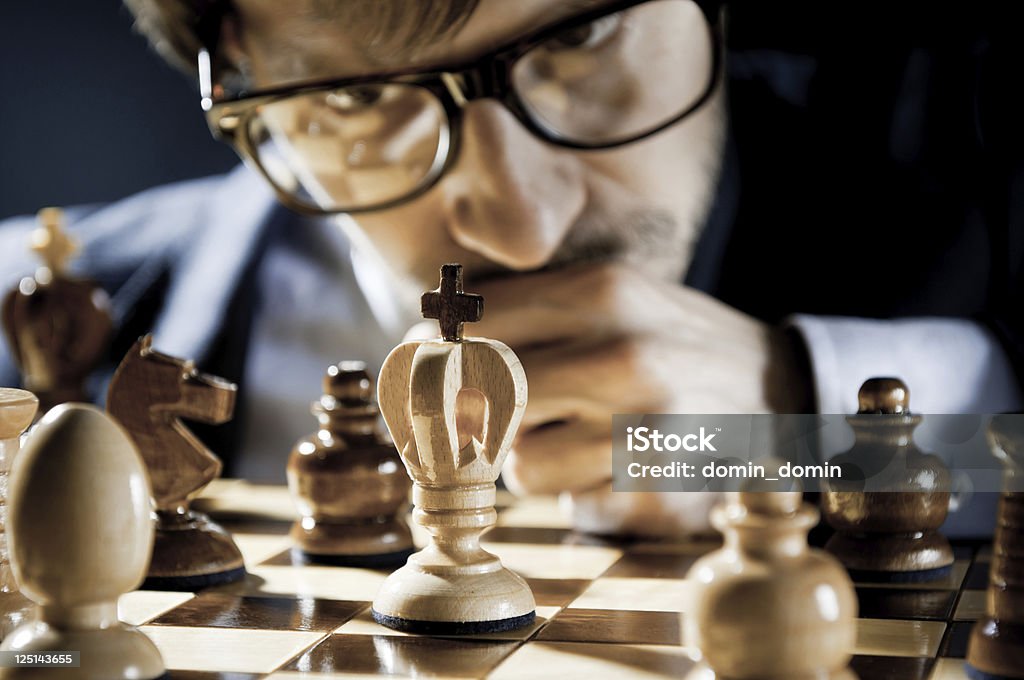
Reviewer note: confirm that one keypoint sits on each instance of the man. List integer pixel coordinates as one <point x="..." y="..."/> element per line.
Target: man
<point x="567" y="153"/>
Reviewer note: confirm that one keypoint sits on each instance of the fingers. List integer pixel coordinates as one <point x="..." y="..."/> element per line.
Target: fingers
<point x="573" y="456"/>
<point x="577" y="302"/>
<point x="602" y="339"/>
<point x="575" y="381"/>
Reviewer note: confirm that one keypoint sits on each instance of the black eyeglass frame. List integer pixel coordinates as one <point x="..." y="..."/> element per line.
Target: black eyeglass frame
<point x="489" y="76"/>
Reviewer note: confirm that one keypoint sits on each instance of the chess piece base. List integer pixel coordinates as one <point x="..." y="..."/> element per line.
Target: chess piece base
<point x="911" y="557"/>
<point x="454" y="627"/>
<point x="426" y="599"/>
<point x="15" y="610"/>
<point x="120" y="651"/>
<point x="996" y="650"/>
<point x="379" y="561"/>
<point x="191" y="551"/>
<point x="373" y="543"/>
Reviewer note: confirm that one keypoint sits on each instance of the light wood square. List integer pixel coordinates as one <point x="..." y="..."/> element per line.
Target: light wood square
<point x="948" y="669"/>
<point x="639" y="594"/>
<point x="895" y="637"/>
<point x="535" y="511"/>
<point x="329" y="583"/>
<point x="555" y="561"/>
<point x="562" y="660"/>
<point x="142" y="606"/>
<point x="258" y="547"/>
<point x="226" y="649"/>
<point x="971" y="606"/>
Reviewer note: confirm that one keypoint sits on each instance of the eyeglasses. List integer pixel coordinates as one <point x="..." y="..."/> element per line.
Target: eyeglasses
<point x="600" y="80"/>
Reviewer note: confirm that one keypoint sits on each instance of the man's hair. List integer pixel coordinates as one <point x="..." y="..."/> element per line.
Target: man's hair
<point x="178" y="29"/>
<point x="172" y="27"/>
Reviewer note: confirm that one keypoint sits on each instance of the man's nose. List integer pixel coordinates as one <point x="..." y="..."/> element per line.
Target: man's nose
<point x="510" y="196"/>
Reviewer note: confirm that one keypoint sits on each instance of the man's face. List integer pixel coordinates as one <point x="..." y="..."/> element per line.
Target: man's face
<point x="512" y="202"/>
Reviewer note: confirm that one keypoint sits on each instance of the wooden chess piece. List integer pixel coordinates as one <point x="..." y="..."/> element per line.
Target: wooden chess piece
<point x="453" y="406"/>
<point x="80" y="533"/>
<point x="57" y="326"/>
<point x="149" y="394"/>
<point x="347" y="479"/>
<point x="766" y="605"/>
<point x="995" y="650"/>
<point x="890" y="532"/>
<point x="17" y="410"/>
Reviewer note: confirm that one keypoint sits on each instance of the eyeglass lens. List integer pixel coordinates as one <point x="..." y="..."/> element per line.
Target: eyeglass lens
<point x="619" y="76"/>
<point x="603" y="82"/>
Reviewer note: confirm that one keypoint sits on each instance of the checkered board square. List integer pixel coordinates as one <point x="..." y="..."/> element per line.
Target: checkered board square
<point x="605" y="609"/>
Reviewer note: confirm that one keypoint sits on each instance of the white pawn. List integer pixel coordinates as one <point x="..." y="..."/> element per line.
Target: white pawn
<point x="80" y="536"/>
<point x="766" y="605"/>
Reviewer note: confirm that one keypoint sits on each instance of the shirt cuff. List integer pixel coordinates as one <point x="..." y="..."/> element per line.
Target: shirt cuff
<point x="949" y="365"/>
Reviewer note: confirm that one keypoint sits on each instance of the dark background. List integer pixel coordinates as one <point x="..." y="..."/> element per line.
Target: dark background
<point x="87" y="112"/>
<point x="875" y="165"/>
<point x="890" y="130"/>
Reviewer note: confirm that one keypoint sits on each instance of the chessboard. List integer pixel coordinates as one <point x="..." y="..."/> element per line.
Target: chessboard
<point x="605" y="609"/>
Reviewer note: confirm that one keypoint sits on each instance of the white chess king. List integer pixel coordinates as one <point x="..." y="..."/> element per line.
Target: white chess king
<point x="453" y="407"/>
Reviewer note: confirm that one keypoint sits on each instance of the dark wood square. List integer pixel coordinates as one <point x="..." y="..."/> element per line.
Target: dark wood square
<point x="293" y="557"/>
<point x="652" y="565"/>
<point x="965" y="550"/>
<point x="899" y="603"/>
<point x="219" y="610"/>
<point x="892" y="667"/>
<point x="622" y="661"/>
<point x="954" y="642"/>
<point x="546" y="536"/>
<point x="414" y="656"/>
<point x="613" y="626"/>
<point x="286" y="558"/>
<point x="532" y="535"/>
<point x="265" y="527"/>
<point x="209" y="675"/>
<point x="554" y="592"/>
<point x="977" y="576"/>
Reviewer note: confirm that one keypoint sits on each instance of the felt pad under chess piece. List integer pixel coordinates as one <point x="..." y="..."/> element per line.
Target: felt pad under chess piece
<point x="996" y="647"/>
<point x="453" y="406"/>
<point x="891" y="531"/>
<point x="80" y="533"/>
<point x="17" y="409"/>
<point x="149" y="394"/>
<point x="766" y="605"/>
<point x="348" y="481"/>
<point x="57" y="326"/>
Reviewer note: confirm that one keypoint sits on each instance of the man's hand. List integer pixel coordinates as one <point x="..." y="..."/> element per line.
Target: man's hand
<point x="605" y="339"/>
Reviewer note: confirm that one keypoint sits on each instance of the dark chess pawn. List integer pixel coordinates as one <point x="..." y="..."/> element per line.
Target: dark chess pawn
<point x="996" y="647"/>
<point x="889" y="532"/>
<point x="348" y="481"/>
<point x="57" y="326"/>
